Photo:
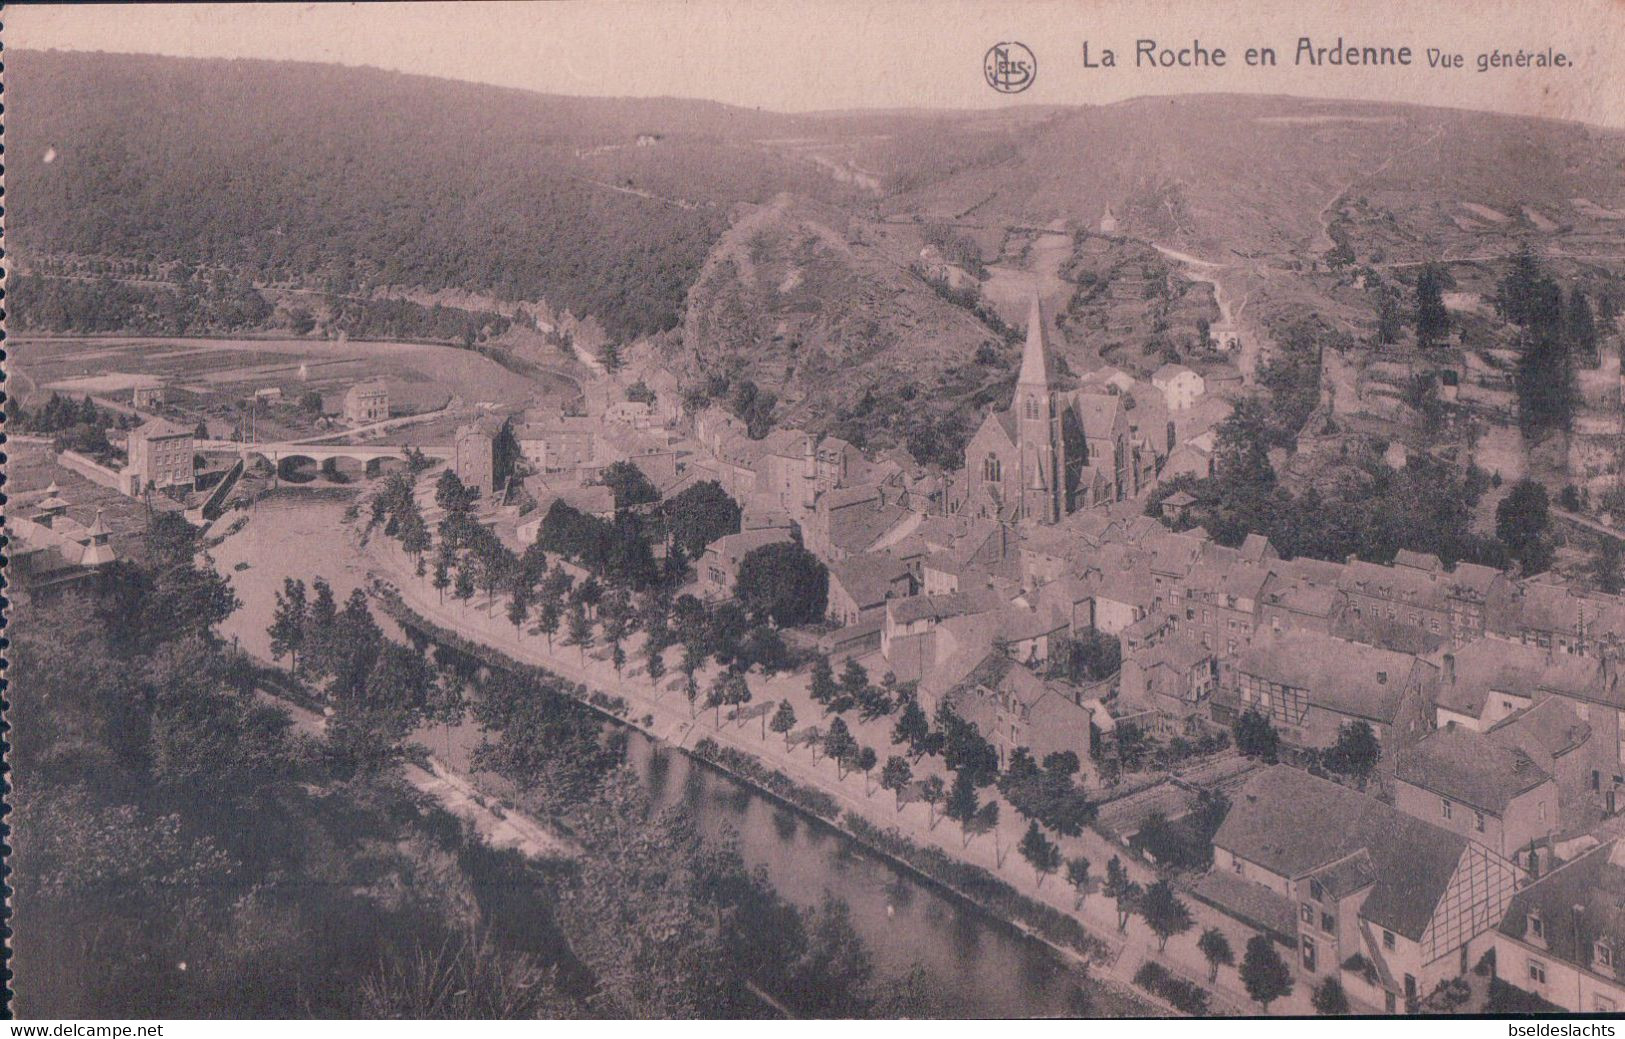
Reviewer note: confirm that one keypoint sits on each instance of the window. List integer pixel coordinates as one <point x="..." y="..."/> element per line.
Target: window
<point x="1605" y="954"/>
<point x="1387" y="939"/>
<point x="1389" y="1004"/>
<point x="1308" y="953"/>
<point x="1541" y="809"/>
<point x="1537" y="972"/>
<point x="1236" y="865"/>
<point x="1328" y="924"/>
<point x="1478" y="821"/>
<point x="1307" y="911"/>
<point x="1316" y="891"/>
<point x="1602" y="1004"/>
<point x="1596" y="779"/>
<point x="1536" y="927"/>
<point x="1445" y="807"/>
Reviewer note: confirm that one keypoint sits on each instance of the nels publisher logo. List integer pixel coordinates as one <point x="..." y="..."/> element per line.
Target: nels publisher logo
<point x="1009" y="68"/>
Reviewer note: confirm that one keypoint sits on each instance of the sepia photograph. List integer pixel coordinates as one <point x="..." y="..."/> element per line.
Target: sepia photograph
<point x="613" y="510"/>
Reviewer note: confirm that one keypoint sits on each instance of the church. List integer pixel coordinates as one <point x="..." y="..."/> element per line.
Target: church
<point x="1052" y="452"/>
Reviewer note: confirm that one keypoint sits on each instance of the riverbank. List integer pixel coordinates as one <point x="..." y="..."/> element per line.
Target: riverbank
<point x="1076" y="951"/>
<point x="664" y="714"/>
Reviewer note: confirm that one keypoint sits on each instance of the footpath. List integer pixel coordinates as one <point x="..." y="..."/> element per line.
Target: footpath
<point x="661" y="710"/>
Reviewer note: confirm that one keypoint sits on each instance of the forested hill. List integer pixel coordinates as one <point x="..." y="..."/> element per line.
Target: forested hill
<point x="344" y="180"/>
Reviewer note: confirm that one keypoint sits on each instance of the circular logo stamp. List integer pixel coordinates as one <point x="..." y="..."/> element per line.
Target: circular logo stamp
<point x="1010" y="67"/>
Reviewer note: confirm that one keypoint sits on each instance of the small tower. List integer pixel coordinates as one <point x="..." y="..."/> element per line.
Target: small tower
<point x="98" y="552"/>
<point x="1038" y="428"/>
<point x="52" y="506"/>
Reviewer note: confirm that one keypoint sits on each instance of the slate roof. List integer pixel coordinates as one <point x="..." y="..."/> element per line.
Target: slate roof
<point x="1470" y="767"/>
<point x="1550" y="728"/>
<point x="1346" y="677"/>
<point x="1579" y="903"/>
<point x="1295" y="824"/>
<point x="1490" y="665"/>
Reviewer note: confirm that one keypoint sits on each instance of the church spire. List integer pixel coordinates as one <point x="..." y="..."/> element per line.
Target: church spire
<point x="1035" y="356"/>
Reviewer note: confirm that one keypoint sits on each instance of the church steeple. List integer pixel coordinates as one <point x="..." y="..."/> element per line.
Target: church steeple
<point x="1038" y="428"/>
<point x="1035" y="356"/>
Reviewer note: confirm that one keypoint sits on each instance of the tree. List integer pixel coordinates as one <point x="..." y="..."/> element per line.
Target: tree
<point x="895" y="776"/>
<point x="854" y="678"/>
<point x="963" y="804"/>
<point x="912" y="729"/>
<point x="1606" y="570"/>
<point x="784" y="720"/>
<point x="699" y="515"/>
<point x="1164" y="913"/>
<point x="692" y="659"/>
<point x="987" y="821"/>
<point x="866" y="760"/>
<point x="463" y="587"/>
<point x="443" y="561"/>
<point x="822" y="687"/>
<point x="1215" y="948"/>
<point x="838" y="743"/>
<point x="547" y="620"/>
<point x="932" y="792"/>
<point x="1041" y="853"/>
<point x="654" y="661"/>
<point x="450" y="494"/>
<point x="1356" y="752"/>
<point x="629" y="485"/>
<point x="288" y="622"/>
<point x="1263" y="972"/>
<point x="1432" y="320"/>
<point x="1329" y="998"/>
<point x="1255" y="736"/>
<point x="1521" y="520"/>
<point x="518" y="610"/>
<point x="1077" y="874"/>
<point x="1121" y="890"/>
<point x="580" y="630"/>
<point x="782" y="582"/>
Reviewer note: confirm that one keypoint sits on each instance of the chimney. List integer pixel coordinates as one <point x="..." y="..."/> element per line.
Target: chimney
<point x="1449" y="669"/>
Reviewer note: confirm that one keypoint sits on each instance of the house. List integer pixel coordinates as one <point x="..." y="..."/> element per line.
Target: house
<point x="1557" y="739"/>
<point x="366" y="402"/>
<point x="859" y="587"/>
<point x="1013" y="707"/>
<point x="1485" y="681"/>
<point x="1176" y="508"/>
<point x="1563" y="936"/>
<point x="1543" y="613"/>
<point x="50" y="550"/>
<point x="1296" y="604"/>
<point x="590" y="499"/>
<point x="1488" y="791"/>
<point x="483" y="454"/>
<point x="144" y="398"/>
<point x="850" y="520"/>
<point x="1173" y="679"/>
<point x="1180" y="385"/>
<point x="908" y="638"/>
<point x="161" y="457"/>
<point x="1309" y="686"/>
<point x="719" y="566"/>
<point x="559" y="444"/>
<point x="1386" y="902"/>
<point x="1218" y="603"/>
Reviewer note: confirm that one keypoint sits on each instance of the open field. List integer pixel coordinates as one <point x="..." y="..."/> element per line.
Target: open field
<point x="213" y="379"/>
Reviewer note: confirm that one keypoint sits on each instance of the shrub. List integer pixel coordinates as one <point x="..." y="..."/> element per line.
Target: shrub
<point x="1186" y="996"/>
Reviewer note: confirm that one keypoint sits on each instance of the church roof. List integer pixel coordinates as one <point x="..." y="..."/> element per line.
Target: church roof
<point x="1035" y="355"/>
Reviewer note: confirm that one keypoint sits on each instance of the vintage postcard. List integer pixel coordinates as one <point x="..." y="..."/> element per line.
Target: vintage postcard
<point x="792" y="510"/>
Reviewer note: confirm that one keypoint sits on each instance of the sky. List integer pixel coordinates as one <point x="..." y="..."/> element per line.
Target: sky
<point x="843" y="54"/>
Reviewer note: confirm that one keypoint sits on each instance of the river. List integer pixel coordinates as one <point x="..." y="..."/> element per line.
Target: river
<point x="987" y="968"/>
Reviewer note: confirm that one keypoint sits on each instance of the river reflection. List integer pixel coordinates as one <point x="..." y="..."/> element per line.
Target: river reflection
<point x="987" y="970"/>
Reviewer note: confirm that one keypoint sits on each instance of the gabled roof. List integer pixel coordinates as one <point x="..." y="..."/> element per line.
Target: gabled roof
<point x="1547" y="730"/>
<point x="156" y="428"/>
<point x="1346" y="677"/>
<point x="1470" y="767"/>
<point x="1295" y="824"/>
<point x="1486" y="666"/>
<point x="1579" y="904"/>
<point x="1098" y="413"/>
